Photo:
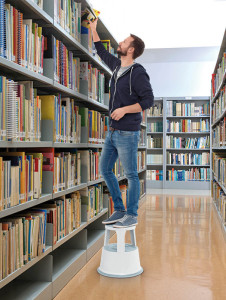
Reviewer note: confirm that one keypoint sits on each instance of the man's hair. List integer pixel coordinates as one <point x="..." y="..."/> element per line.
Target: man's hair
<point x="138" y="46"/>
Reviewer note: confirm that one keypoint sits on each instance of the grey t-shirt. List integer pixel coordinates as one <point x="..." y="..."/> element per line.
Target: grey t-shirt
<point x="122" y="70"/>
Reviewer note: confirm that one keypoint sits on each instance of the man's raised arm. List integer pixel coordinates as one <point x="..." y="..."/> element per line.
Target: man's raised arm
<point x="110" y="60"/>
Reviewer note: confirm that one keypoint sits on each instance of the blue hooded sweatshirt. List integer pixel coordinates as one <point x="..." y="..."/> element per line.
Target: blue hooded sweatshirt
<point x="131" y="87"/>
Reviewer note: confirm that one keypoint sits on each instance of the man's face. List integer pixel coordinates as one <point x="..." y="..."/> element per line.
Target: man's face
<point x="124" y="46"/>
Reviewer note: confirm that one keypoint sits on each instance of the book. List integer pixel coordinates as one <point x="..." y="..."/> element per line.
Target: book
<point x="89" y="15"/>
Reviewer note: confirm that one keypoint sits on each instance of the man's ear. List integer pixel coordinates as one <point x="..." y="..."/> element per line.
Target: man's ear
<point x="131" y="49"/>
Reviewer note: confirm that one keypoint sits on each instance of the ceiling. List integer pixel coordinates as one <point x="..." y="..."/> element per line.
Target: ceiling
<point x="165" y="23"/>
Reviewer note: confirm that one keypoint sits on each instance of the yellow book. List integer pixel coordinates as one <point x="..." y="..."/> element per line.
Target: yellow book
<point x="48" y="111"/>
<point x="89" y="14"/>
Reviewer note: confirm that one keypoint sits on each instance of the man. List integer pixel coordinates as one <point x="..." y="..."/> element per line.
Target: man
<point x="130" y="93"/>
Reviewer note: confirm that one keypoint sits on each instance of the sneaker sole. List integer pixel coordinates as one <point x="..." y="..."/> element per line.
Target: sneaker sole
<point x="118" y="226"/>
<point x="111" y="222"/>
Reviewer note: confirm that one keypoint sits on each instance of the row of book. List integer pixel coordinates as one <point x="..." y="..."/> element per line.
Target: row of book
<point x="22" y="238"/>
<point x="219" y="134"/>
<point x="20" y="177"/>
<point x="219" y="105"/>
<point x="68" y="120"/>
<point x="67" y="13"/>
<point x="188" y="143"/>
<point x="156" y="175"/>
<point x="218" y="76"/>
<point x="141" y="160"/>
<point x="96" y="82"/>
<point x="154" y="158"/>
<point x="219" y="167"/>
<point x="20" y="111"/>
<point x="155" y="111"/>
<point x="155" y="126"/>
<point x="187" y="125"/>
<point x="24" y="235"/>
<point x="142" y="141"/>
<point x="219" y="199"/>
<point x="188" y="158"/>
<point x="193" y="174"/>
<point x="154" y="142"/>
<point x="175" y="108"/>
<point x="21" y="40"/>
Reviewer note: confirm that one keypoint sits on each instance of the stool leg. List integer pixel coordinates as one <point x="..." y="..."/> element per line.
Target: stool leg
<point x="133" y="237"/>
<point x="121" y="240"/>
<point x="106" y="237"/>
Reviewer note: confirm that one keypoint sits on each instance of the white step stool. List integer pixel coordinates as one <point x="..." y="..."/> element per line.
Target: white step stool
<point x="120" y="260"/>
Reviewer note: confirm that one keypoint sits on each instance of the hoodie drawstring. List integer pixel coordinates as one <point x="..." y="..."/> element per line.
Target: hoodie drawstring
<point x="130" y="81"/>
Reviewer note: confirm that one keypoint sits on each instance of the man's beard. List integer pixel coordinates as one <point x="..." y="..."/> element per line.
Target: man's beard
<point x="122" y="53"/>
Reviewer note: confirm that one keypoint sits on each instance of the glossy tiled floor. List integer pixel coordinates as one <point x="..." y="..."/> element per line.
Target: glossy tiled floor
<point x="182" y="251"/>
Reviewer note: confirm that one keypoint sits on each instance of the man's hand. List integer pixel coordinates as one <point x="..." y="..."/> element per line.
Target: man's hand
<point x="118" y="113"/>
<point x="93" y="25"/>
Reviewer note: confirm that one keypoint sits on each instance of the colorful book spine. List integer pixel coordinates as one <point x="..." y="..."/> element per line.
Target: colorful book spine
<point x="155" y="175"/>
<point x="155" y="111"/>
<point x="193" y="174"/>
<point x="188" y="158"/>
<point x="188" y="143"/>
<point x="187" y="125"/>
<point x="176" y="108"/>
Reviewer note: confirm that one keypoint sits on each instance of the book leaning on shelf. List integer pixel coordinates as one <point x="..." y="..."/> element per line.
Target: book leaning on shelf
<point x="219" y="134"/>
<point x="20" y="111"/>
<point x="219" y="167"/>
<point x="155" y="111"/>
<point x="22" y="41"/>
<point x="141" y="160"/>
<point x="108" y="47"/>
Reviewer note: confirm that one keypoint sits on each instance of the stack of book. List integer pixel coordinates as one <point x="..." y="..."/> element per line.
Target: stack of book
<point x="67" y="13"/>
<point x="188" y="143"/>
<point x="187" y="109"/>
<point x="187" y="125"/>
<point x="20" y="178"/>
<point x="188" y="158"/>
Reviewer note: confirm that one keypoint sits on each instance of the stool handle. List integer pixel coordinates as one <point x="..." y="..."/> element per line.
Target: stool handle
<point x="106" y="237"/>
<point x="121" y="240"/>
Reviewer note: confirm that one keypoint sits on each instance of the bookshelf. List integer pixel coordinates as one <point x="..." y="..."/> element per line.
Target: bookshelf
<point x="45" y="275"/>
<point x="201" y="157"/>
<point x="218" y="113"/>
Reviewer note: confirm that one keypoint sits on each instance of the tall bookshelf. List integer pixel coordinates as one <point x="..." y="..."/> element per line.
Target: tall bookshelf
<point x="170" y="151"/>
<point x="218" y="145"/>
<point x="46" y="274"/>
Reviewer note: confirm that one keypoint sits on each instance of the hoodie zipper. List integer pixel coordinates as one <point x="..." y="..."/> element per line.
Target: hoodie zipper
<point x="115" y="88"/>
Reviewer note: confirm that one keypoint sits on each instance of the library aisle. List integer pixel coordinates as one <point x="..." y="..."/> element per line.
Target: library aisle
<point x="182" y="251"/>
